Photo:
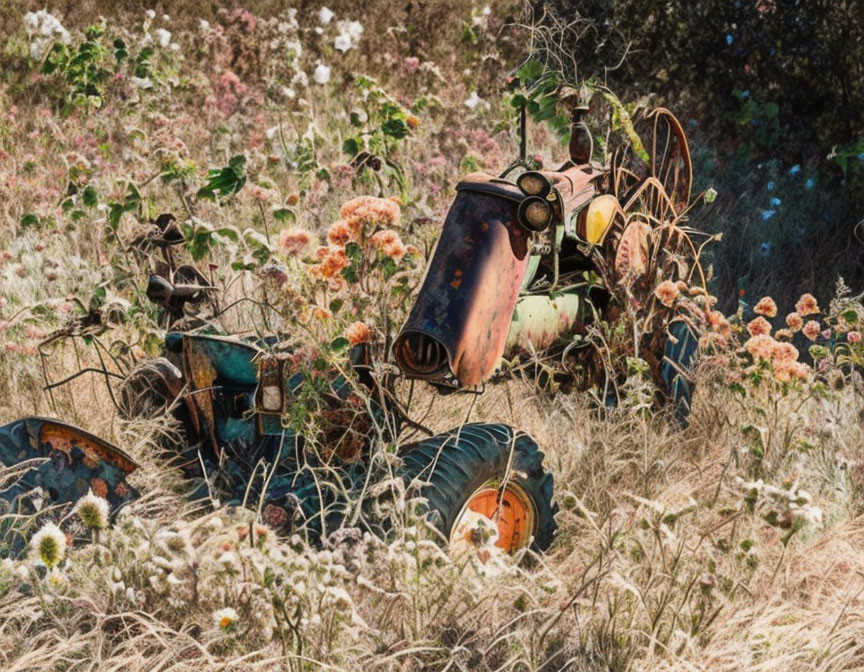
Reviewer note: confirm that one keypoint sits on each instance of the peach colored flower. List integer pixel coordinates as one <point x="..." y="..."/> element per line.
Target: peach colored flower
<point x="294" y="241"/>
<point x="712" y="338"/>
<point x="807" y="305"/>
<point x="667" y="291"/>
<point x="811" y="330"/>
<point x="760" y="346"/>
<point x="766" y="306"/>
<point x="340" y="233"/>
<point x="783" y="333"/>
<point x="759" y="326"/>
<point x="332" y="262"/>
<point x="854" y="337"/>
<point x="786" y="370"/>
<point x="794" y="321"/>
<point x="370" y="211"/>
<point x="322" y="314"/>
<point x="784" y="351"/>
<point x="358" y="332"/>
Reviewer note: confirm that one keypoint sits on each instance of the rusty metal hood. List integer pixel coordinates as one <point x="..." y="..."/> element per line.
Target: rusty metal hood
<point x="458" y="326"/>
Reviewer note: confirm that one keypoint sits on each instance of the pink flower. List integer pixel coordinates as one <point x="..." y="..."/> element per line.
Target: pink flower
<point x="766" y="306"/>
<point x="811" y="330"/>
<point x="667" y="291"/>
<point x="854" y="337"/>
<point x="784" y="351"/>
<point x="294" y="241"/>
<point x="340" y="233"/>
<point x="370" y="211"/>
<point x="759" y="326"/>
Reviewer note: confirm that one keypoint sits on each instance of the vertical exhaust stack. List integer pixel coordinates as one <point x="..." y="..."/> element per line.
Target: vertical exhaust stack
<point x="457" y="329"/>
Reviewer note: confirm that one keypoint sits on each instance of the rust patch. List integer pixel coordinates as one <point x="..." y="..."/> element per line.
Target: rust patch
<point x="64" y="438"/>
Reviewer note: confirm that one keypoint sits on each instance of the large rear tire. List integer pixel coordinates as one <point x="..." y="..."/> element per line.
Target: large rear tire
<point x="488" y="472"/>
<point x="676" y="368"/>
<point x="150" y="389"/>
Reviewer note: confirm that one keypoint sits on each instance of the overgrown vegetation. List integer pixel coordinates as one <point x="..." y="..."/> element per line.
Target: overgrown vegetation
<point x="309" y="159"/>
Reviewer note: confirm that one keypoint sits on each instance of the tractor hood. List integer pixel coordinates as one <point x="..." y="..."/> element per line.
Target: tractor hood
<point x="458" y="326"/>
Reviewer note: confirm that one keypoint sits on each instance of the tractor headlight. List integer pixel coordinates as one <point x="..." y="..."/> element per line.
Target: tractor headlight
<point x="596" y="219"/>
<point x="532" y="183"/>
<point x="535" y="213"/>
<point x="270" y="387"/>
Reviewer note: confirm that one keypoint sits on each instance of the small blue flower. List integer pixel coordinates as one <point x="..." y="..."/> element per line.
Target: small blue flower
<point x="754" y="122"/>
<point x="810" y="183"/>
<point x="729" y="39"/>
<point x="765" y="249"/>
<point x="775" y="202"/>
<point x="770" y="186"/>
<point x="693" y="123"/>
<point x="768" y="214"/>
<point x="861" y="156"/>
<point x="794" y="170"/>
<point x="745" y="93"/>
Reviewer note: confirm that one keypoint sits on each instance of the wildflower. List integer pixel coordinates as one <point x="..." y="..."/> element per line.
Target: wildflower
<point x="760" y="346"/>
<point x="766" y="306"/>
<point x="770" y="186"/>
<point x="151" y="14"/>
<point x="807" y="305"/>
<point x="784" y="351"/>
<point x="667" y="291"/>
<point x="473" y="101"/>
<point x="768" y="214"/>
<point x="729" y="40"/>
<point x="759" y="326"/>
<point x="412" y="64"/>
<point x="775" y="202"/>
<point x="49" y="544"/>
<point x="412" y="121"/>
<point x="370" y="211"/>
<point x="794" y="321"/>
<point x="783" y="333"/>
<point x="331" y="262"/>
<point x="794" y="170"/>
<point x="358" y="332"/>
<point x="786" y="370"/>
<point x="261" y="194"/>
<point x="163" y="37"/>
<point x="322" y="74"/>
<point x="203" y="25"/>
<point x="141" y="82"/>
<point x="810" y="183"/>
<point x="226" y="619"/>
<point x="854" y="337"/>
<point x="340" y="233"/>
<point x="325" y="15"/>
<point x="294" y="241"/>
<point x="322" y="314"/>
<point x="342" y="42"/>
<point x="93" y="511"/>
<point x="710" y="195"/>
<point x="811" y="330"/>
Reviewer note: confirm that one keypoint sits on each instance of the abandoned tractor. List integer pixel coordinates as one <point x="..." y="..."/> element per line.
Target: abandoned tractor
<point x="521" y="267"/>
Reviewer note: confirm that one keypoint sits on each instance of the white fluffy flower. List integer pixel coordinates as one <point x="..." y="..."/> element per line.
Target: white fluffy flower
<point x="44" y="29"/>
<point x="301" y="79"/>
<point x="473" y="100"/>
<point x="163" y="37"/>
<point x="288" y="92"/>
<point x="204" y="25"/>
<point x="342" y="42"/>
<point x="93" y="511"/>
<point x="352" y="29"/>
<point x="322" y="74"/>
<point x="49" y="544"/>
<point x="151" y="14"/>
<point x="325" y="15"/>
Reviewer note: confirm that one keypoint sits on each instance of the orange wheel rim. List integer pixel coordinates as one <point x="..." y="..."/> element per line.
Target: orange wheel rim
<point x="511" y="511"/>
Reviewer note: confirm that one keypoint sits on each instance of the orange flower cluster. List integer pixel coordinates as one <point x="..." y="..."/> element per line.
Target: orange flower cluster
<point x="358" y="332"/>
<point x="341" y="233"/>
<point x="759" y="326"/>
<point x="794" y="322"/>
<point x="807" y="305"/>
<point x="331" y="262"/>
<point x="811" y="330"/>
<point x="370" y="211"/>
<point x="783" y="357"/>
<point x="389" y="242"/>
<point x="766" y="306"/>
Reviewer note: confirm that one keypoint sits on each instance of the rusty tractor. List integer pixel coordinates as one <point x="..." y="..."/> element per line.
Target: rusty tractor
<point x="515" y="270"/>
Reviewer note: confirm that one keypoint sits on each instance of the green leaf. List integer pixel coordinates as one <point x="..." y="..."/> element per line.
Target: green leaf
<point x="395" y="128"/>
<point x="284" y="214"/>
<point x="351" y="146"/>
<point x="89" y="197"/>
<point x="336" y="305"/>
<point x="529" y="71"/>
<point x="339" y="344"/>
<point x="29" y="220"/>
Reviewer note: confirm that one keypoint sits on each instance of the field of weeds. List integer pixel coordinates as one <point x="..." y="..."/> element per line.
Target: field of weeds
<point x="736" y="543"/>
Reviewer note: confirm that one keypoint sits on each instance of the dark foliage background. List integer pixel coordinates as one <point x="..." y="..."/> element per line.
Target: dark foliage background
<point x="772" y="95"/>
